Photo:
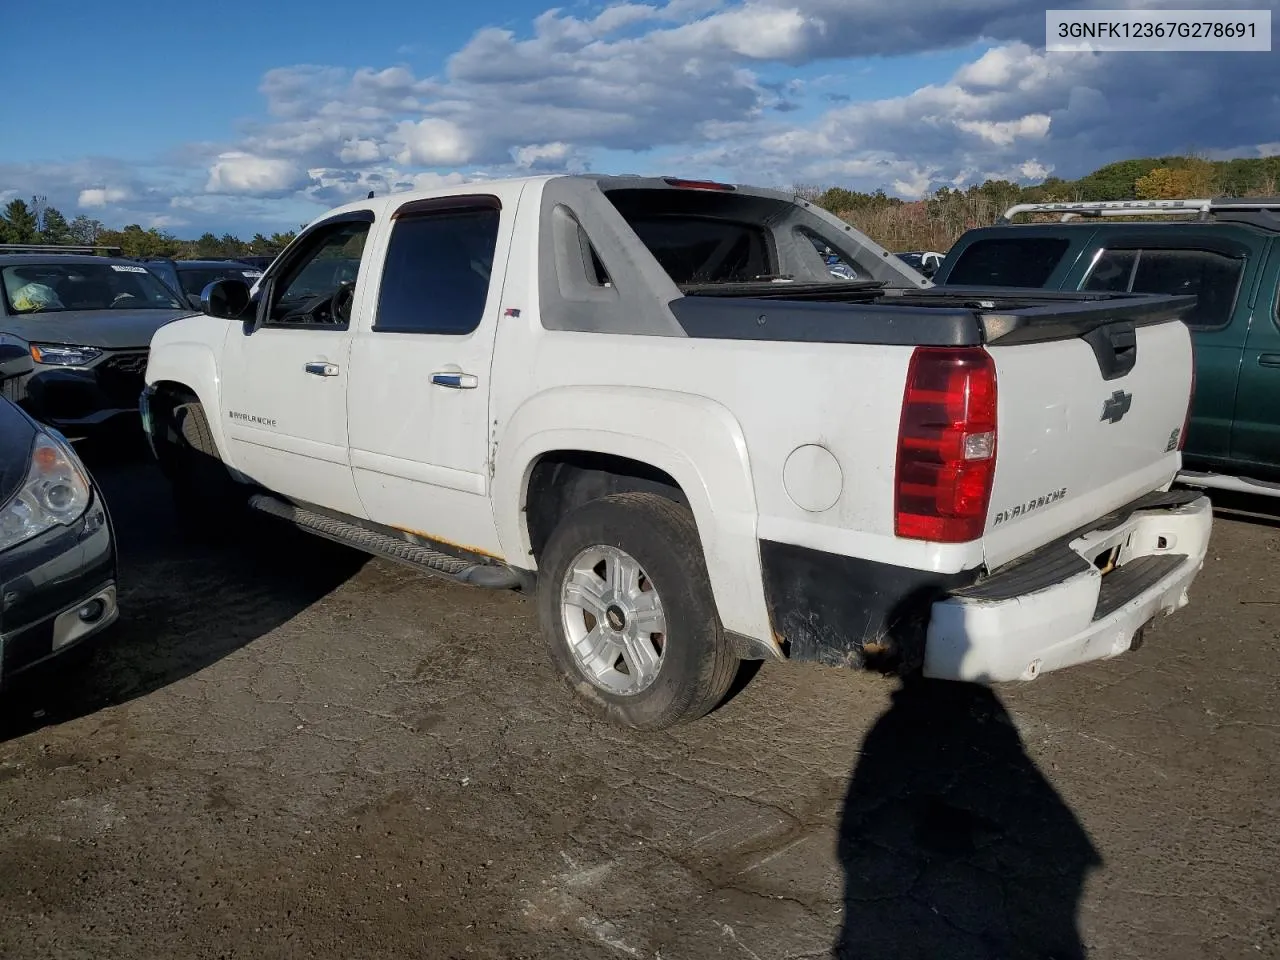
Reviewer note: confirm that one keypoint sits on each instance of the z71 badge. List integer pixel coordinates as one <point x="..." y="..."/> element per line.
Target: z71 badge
<point x="1023" y="508"/>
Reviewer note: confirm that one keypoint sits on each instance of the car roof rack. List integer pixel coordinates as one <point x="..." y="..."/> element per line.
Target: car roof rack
<point x="57" y="248"/>
<point x="1257" y="211"/>
<point x="1246" y="203"/>
<point x="1113" y="208"/>
<point x="1263" y="211"/>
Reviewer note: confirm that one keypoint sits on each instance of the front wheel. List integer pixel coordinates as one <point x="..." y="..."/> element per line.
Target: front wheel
<point x="625" y="606"/>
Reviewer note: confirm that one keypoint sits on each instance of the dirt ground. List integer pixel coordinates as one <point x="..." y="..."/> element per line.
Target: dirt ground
<point x="289" y="750"/>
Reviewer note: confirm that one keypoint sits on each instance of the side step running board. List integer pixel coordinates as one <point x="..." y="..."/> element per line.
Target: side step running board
<point x="413" y="555"/>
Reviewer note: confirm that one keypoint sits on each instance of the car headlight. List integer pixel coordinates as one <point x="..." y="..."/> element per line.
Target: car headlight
<point x="56" y="491"/>
<point x="62" y="355"/>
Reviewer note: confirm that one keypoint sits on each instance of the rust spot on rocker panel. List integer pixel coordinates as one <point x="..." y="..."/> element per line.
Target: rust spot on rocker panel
<point x="450" y="545"/>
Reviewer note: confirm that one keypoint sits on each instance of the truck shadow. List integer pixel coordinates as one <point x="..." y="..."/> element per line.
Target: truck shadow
<point x="183" y="605"/>
<point x="952" y="843"/>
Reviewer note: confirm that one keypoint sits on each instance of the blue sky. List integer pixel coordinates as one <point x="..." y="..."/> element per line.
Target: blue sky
<point x="260" y="115"/>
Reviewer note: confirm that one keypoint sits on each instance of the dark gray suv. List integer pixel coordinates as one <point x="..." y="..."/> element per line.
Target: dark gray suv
<point x="88" y="321"/>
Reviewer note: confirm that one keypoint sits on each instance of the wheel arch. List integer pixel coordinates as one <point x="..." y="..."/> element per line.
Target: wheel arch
<point x="702" y="457"/>
<point x="187" y="368"/>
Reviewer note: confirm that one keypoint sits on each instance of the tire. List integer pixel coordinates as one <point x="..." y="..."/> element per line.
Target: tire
<point x="209" y="502"/>
<point x="696" y="664"/>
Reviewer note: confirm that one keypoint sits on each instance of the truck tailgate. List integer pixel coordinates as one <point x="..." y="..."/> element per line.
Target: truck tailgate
<point x="1086" y="424"/>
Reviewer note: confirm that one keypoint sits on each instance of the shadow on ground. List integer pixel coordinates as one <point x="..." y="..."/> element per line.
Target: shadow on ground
<point x="183" y="605"/>
<point x="952" y="842"/>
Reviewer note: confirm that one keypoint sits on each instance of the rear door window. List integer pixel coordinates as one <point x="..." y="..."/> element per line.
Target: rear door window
<point x="437" y="271"/>
<point x="1112" y="272"/>
<point x="1212" y="277"/>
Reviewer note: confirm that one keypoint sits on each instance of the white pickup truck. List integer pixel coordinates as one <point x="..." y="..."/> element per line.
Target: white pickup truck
<point x="648" y="401"/>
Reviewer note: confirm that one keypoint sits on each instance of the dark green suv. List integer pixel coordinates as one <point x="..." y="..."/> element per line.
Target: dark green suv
<point x="1225" y="252"/>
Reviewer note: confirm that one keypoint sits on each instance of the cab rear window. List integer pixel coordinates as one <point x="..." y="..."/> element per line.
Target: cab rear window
<point x="696" y="250"/>
<point x="700" y="236"/>
<point x="1008" y="262"/>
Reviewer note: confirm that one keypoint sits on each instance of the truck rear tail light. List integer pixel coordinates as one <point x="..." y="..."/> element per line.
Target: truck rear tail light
<point x="1186" y="421"/>
<point x="946" y="445"/>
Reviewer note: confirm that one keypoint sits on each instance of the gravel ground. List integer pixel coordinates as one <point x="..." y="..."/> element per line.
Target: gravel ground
<point x="287" y="749"/>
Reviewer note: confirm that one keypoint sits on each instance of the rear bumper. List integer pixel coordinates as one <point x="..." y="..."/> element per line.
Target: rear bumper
<point x="1056" y="609"/>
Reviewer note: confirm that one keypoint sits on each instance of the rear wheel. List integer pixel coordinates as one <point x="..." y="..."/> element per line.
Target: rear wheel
<point x="208" y="500"/>
<point x="625" y="605"/>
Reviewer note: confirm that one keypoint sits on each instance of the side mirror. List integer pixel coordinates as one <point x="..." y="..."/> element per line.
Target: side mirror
<point x="225" y="298"/>
<point x="15" y="358"/>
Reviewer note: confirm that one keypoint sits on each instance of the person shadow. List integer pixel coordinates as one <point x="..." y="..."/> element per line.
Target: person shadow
<point x="954" y="846"/>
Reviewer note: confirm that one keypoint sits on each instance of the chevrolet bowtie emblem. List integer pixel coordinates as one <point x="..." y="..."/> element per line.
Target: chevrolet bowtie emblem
<point x="1116" y="406"/>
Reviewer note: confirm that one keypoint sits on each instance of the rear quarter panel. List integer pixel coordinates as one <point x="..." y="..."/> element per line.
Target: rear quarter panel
<point x="791" y="442"/>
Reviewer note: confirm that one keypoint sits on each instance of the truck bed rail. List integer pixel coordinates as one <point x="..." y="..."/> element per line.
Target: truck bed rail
<point x="938" y="316"/>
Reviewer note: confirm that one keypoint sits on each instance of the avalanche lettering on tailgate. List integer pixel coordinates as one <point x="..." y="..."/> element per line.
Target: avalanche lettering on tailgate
<point x="1025" y="508"/>
<point x="250" y="418"/>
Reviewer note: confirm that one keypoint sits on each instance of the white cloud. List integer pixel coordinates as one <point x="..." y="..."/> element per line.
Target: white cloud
<point x="432" y="142"/>
<point x="914" y="186"/>
<point x="1018" y="113"/>
<point x="543" y="157"/>
<point x="622" y="15"/>
<point x="332" y="186"/>
<point x="97" y="197"/>
<point x="1032" y="170"/>
<point x="636" y="76"/>
<point x="705" y="85"/>
<point x="1002" y="133"/>
<point x="756" y="31"/>
<point x="357" y="151"/>
<point x="298" y="92"/>
<point x="433" y="181"/>
<point x="244" y="173"/>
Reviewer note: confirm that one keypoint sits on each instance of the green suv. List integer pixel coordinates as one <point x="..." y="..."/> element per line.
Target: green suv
<point x="1225" y="252"/>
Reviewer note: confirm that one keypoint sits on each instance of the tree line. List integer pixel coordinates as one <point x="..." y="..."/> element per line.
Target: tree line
<point x="37" y="222"/>
<point x="936" y="220"/>
<point x="931" y="223"/>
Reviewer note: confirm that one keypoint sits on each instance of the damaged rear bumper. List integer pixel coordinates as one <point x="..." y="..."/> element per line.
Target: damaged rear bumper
<point x="1058" y="608"/>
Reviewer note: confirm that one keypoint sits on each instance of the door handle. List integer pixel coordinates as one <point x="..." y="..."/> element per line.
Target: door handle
<point x="321" y="369"/>
<point x="455" y="381"/>
<point x="1269" y="359"/>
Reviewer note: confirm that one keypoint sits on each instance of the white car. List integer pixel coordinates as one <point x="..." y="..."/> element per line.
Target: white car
<point x="648" y="402"/>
